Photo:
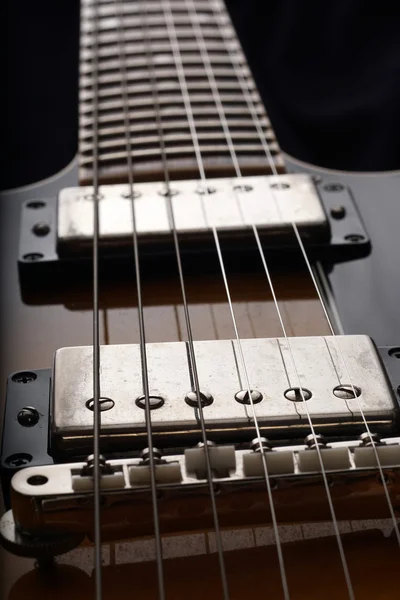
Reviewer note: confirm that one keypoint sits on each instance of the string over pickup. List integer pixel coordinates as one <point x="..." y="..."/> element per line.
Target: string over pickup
<point x="58" y="234"/>
<point x="326" y="385"/>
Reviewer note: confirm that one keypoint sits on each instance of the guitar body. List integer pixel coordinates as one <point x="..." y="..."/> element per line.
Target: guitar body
<point x="364" y="293"/>
<point x="38" y="316"/>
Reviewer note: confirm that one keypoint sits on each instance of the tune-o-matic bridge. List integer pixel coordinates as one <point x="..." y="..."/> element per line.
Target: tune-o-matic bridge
<point x="53" y="505"/>
<point x="60" y="230"/>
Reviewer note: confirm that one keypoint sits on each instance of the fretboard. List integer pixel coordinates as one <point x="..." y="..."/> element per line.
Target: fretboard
<point x="206" y="96"/>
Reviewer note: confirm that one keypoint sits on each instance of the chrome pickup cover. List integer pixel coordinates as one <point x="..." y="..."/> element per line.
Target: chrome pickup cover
<point x="272" y="203"/>
<point x="175" y="422"/>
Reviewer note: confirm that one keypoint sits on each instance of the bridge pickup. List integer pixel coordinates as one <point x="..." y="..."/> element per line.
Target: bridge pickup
<point x="329" y="369"/>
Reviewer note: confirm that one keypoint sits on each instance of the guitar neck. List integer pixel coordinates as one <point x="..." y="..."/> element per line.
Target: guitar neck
<point x="169" y="74"/>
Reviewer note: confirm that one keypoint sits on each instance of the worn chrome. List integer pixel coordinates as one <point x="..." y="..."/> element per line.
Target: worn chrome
<point x="64" y="501"/>
<point x="270" y="372"/>
<point x="233" y="207"/>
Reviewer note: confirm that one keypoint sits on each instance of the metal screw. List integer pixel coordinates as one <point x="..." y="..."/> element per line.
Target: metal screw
<point x="33" y="256"/>
<point x="296" y="394"/>
<point x="93" y="197"/>
<point x="338" y="212"/>
<point x="28" y="416"/>
<point x="41" y="229"/>
<point x="243" y="188"/>
<point x="313" y="441"/>
<point x="18" y="460"/>
<point x="104" y="403"/>
<point x="280" y="186"/>
<point x="154" y="401"/>
<point x="205" y="398"/>
<point x="243" y="396"/>
<point x="203" y="191"/>
<point x="36" y="204"/>
<point x="130" y="195"/>
<point x="24" y="377"/>
<point x="369" y="439"/>
<point x="394" y="352"/>
<point x="354" y="237"/>
<point x="168" y="193"/>
<point x="263" y="443"/>
<point x="333" y="187"/>
<point x="346" y="391"/>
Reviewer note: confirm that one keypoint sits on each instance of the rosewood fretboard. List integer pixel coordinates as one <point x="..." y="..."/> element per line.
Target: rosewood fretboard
<point x="239" y="97"/>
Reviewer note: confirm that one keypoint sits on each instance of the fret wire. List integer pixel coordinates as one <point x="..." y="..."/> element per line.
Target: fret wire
<point x="183" y="85"/>
<point x="142" y="333"/>
<point x="246" y="93"/>
<point x="191" y="9"/>
<point x="96" y="331"/>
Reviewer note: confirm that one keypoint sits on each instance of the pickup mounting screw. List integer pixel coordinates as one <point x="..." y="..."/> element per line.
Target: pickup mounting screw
<point x="28" y="416"/>
<point x="333" y="187"/>
<point x="24" y="377"/>
<point x="18" y="460"/>
<point x="33" y="256"/>
<point x="35" y="204"/>
<point x="205" y="397"/>
<point x="243" y="396"/>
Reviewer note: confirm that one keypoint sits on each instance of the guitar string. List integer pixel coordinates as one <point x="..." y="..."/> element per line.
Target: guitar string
<point x="215" y="91"/>
<point x="192" y="354"/>
<point x="96" y="319"/>
<point x="142" y="333"/>
<point x="216" y="5"/>
<point x="185" y="94"/>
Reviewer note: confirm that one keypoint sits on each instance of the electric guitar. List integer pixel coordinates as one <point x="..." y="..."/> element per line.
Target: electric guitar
<point x="201" y="340"/>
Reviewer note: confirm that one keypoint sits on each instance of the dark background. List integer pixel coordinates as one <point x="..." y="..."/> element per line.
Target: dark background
<point x="328" y="71"/>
